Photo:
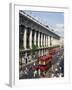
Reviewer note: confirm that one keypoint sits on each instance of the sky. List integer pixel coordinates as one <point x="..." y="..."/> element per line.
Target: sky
<point x="54" y="20"/>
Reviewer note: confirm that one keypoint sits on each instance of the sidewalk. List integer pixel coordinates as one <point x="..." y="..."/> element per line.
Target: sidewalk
<point x="24" y="65"/>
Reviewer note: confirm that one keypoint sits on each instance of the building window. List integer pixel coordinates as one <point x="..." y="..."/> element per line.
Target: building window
<point x="45" y="40"/>
<point x="37" y="38"/>
<point x="40" y="39"/>
<point x="21" y="35"/>
<point x="28" y="38"/>
<point x="33" y="32"/>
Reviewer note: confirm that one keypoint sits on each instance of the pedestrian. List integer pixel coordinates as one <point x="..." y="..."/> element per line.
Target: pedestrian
<point x="35" y="73"/>
<point x="26" y="60"/>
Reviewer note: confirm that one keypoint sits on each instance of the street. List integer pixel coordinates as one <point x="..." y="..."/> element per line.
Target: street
<point x="56" y="69"/>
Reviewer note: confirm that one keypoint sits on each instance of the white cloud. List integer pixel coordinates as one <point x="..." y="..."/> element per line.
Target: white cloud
<point x="59" y="25"/>
<point x="59" y="29"/>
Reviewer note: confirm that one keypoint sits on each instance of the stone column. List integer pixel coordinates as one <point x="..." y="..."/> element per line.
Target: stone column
<point x="48" y="41"/>
<point x="35" y="38"/>
<point x="52" y="41"/>
<point x="25" y="37"/>
<point x="55" y="42"/>
<point x="41" y="39"/>
<point x="38" y="39"/>
<point x="44" y="40"/>
<point x="30" y="38"/>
